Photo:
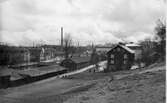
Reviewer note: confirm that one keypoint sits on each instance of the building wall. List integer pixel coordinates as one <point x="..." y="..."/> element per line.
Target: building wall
<point x="119" y="59"/>
<point x="13" y="55"/>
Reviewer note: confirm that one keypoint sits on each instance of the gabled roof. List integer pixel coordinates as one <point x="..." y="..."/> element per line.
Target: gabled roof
<point x="133" y="45"/>
<point x="124" y="47"/>
<point x="128" y="49"/>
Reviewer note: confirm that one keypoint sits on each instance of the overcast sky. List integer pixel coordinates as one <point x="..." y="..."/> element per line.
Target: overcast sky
<point x="23" y="22"/>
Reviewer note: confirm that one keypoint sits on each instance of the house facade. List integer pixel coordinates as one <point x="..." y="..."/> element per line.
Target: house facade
<point x="120" y="57"/>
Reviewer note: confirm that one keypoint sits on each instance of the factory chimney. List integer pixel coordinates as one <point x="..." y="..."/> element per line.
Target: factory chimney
<point x="62" y="37"/>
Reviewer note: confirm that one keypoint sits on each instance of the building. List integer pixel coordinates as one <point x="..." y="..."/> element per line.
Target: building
<point x="13" y="55"/>
<point x="120" y="57"/>
<point x="137" y="48"/>
<point x="75" y="63"/>
<point x="102" y="49"/>
<point x="36" y="54"/>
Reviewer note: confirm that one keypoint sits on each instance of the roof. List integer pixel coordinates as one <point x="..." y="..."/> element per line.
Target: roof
<point x="103" y="46"/>
<point x="80" y="59"/>
<point x="41" y="70"/>
<point x="132" y="45"/>
<point x="127" y="49"/>
<point x="124" y="47"/>
<point x="52" y="46"/>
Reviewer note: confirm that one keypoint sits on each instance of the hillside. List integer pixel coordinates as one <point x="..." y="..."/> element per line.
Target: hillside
<point x="145" y="85"/>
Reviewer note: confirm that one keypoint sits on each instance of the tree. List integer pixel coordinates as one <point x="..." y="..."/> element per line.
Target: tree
<point x="160" y="31"/>
<point x="147" y="50"/>
<point x="68" y="45"/>
<point x="94" y="58"/>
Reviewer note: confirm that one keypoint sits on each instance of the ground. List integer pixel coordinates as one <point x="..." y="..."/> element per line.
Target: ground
<point x="145" y="85"/>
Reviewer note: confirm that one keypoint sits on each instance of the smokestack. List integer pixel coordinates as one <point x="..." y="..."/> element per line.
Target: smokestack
<point x="62" y="37"/>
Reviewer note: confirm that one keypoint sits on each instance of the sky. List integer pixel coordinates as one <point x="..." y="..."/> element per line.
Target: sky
<point x="25" y="22"/>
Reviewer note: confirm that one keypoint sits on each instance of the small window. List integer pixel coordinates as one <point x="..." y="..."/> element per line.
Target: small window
<point x="125" y="61"/>
<point x="118" y="49"/>
<point x="112" y="61"/>
<point x="125" y="56"/>
<point x="112" y="56"/>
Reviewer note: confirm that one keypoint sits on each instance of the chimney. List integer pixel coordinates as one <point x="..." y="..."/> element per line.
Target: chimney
<point x="121" y="43"/>
<point x="62" y="37"/>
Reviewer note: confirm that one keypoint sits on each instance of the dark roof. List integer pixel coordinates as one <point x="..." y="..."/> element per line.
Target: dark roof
<point x="124" y="47"/>
<point x="52" y="46"/>
<point x="41" y="70"/>
<point x="80" y="59"/>
<point x="103" y="46"/>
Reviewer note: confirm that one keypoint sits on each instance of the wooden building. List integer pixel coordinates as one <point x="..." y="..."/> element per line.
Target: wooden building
<point x="75" y="63"/>
<point x="120" y="57"/>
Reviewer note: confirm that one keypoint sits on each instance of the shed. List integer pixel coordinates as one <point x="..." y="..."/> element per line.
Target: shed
<point x="120" y="57"/>
<point x="75" y="63"/>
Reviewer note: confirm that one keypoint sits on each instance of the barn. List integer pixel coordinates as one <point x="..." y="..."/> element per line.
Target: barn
<point x="75" y="63"/>
<point x="120" y="57"/>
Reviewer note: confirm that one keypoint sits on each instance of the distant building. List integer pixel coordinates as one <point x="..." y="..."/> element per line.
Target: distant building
<point x="120" y="57"/>
<point x="52" y="52"/>
<point x="57" y="47"/>
<point x="75" y="63"/>
<point x="13" y="55"/>
<point x="137" y="48"/>
<point x="102" y="49"/>
<point x="36" y="54"/>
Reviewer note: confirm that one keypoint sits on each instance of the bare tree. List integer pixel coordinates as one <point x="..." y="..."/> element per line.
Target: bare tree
<point x="67" y="45"/>
<point x="94" y="58"/>
<point x="160" y="30"/>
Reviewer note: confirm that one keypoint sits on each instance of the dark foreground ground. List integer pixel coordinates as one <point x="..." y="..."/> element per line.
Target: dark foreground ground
<point x="146" y="85"/>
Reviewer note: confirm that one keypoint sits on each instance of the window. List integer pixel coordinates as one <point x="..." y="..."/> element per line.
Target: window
<point x="112" y="61"/>
<point x="112" y="56"/>
<point x="125" y="56"/>
<point x="125" y="61"/>
<point x="118" y="49"/>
